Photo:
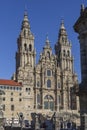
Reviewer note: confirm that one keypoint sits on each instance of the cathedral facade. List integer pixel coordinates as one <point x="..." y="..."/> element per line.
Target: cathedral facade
<point x="46" y="87"/>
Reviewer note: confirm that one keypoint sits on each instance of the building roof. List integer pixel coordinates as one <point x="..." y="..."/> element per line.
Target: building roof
<point x="9" y="82"/>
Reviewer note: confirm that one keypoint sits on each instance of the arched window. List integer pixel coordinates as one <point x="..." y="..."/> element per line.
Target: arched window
<point x="68" y="53"/>
<point x="48" y="54"/>
<point x="49" y="102"/>
<point x="73" y="99"/>
<point x="25" y="47"/>
<point x="48" y="83"/>
<point x="48" y="72"/>
<point x="64" y="53"/>
<point x="30" y="47"/>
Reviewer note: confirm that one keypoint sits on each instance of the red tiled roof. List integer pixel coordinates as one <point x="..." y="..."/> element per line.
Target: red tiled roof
<point x="9" y="82"/>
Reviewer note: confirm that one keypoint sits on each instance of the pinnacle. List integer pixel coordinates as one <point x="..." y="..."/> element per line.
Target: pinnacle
<point x="25" y="16"/>
<point x="25" y="23"/>
<point x="62" y="25"/>
<point x="47" y="40"/>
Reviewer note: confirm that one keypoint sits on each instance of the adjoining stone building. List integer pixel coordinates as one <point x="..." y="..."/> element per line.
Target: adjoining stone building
<point x="46" y="87"/>
<point x="12" y="97"/>
<point x="81" y="28"/>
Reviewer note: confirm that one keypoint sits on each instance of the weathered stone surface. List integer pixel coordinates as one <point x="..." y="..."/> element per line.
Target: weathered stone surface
<point x="81" y="28"/>
<point x="47" y="86"/>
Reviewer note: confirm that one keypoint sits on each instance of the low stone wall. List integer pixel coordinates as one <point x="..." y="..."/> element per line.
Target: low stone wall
<point x="16" y="128"/>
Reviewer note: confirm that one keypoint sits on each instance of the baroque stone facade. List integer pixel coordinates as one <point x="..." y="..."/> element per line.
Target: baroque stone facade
<point x="48" y="86"/>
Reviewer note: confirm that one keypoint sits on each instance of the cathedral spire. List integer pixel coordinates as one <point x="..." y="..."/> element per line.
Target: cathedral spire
<point x="25" y="56"/>
<point x="25" y="22"/>
<point x="62" y="37"/>
<point x="63" y="49"/>
<point x="62" y="31"/>
<point x="47" y="41"/>
<point x="62" y="25"/>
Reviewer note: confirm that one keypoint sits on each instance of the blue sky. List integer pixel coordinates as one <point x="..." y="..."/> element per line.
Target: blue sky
<point x="45" y="17"/>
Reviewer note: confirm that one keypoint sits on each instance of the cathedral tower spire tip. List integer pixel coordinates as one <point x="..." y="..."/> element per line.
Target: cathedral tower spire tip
<point x="25" y="22"/>
<point x="47" y="40"/>
<point x="62" y="31"/>
<point x="62" y="24"/>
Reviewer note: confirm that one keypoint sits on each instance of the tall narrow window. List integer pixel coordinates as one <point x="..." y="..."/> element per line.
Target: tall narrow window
<point x="38" y="98"/>
<point x="48" y="73"/>
<point x="20" y="94"/>
<point x="58" y="85"/>
<point x="12" y="107"/>
<point x="63" y="39"/>
<point x="11" y="99"/>
<point x="73" y="99"/>
<point x="25" y="47"/>
<point x="64" y="53"/>
<point x="3" y="107"/>
<point x="30" y="47"/>
<point x="48" y="83"/>
<point x="38" y="83"/>
<point x="20" y="99"/>
<point x="68" y="53"/>
<point x="3" y="98"/>
<point x="24" y="33"/>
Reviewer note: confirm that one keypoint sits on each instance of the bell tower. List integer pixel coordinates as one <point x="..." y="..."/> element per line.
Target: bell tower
<point x="25" y="55"/>
<point x="63" y="50"/>
<point x="25" y="64"/>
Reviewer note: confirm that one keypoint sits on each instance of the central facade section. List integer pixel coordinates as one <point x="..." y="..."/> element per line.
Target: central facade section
<point x="50" y="84"/>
